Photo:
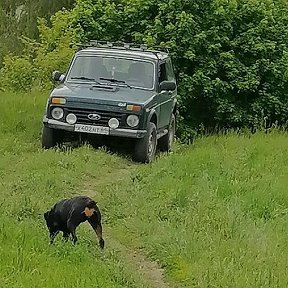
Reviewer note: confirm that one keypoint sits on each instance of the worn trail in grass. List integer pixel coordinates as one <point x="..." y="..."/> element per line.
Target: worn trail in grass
<point x="214" y="214"/>
<point x="31" y="180"/>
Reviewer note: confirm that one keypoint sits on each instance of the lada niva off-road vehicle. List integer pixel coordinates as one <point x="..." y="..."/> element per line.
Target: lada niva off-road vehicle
<point x="121" y="90"/>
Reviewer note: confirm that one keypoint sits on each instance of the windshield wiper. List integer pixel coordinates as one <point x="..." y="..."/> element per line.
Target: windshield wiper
<point x="115" y="81"/>
<point x="86" y="78"/>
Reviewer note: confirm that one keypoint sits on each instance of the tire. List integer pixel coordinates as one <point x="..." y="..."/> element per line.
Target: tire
<point x="145" y="148"/>
<point x="50" y="137"/>
<point x="165" y="143"/>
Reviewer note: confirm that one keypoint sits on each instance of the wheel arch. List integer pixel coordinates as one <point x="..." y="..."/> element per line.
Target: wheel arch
<point x="153" y="118"/>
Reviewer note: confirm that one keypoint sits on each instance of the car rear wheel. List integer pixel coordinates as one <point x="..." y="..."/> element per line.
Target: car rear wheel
<point x="50" y="137"/>
<point x="145" y="148"/>
<point x="165" y="143"/>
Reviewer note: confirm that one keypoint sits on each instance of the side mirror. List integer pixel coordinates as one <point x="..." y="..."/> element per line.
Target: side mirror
<point x="58" y="76"/>
<point x="167" y="86"/>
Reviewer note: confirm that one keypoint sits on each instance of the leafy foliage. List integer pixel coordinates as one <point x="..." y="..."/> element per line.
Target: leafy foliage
<point x="230" y="56"/>
<point x="19" y="17"/>
<point x="55" y="49"/>
<point x="17" y="73"/>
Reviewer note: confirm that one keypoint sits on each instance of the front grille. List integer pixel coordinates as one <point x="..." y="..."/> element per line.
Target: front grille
<point x="82" y="116"/>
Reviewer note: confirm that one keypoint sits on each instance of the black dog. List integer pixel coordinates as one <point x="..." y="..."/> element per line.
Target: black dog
<point x="67" y="214"/>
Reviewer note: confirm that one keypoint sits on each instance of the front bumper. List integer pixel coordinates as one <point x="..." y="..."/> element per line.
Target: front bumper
<point x="128" y="133"/>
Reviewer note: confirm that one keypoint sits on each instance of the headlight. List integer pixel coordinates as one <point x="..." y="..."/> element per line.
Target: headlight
<point x="132" y="120"/>
<point x="113" y="123"/>
<point x="57" y="113"/>
<point x="71" y="118"/>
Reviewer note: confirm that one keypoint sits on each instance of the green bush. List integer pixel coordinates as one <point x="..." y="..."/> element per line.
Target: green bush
<point x="230" y="56"/>
<point x="17" y="73"/>
<point x="55" y="50"/>
<point x="39" y="60"/>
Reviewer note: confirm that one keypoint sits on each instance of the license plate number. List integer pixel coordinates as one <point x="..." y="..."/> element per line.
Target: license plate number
<point x="91" y="129"/>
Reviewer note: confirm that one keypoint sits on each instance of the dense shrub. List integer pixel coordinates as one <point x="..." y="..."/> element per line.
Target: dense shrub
<point x="17" y="73"/>
<point x="230" y="56"/>
<point x="54" y="51"/>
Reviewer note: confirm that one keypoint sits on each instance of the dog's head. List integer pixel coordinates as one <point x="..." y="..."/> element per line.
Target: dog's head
<point x="51" y="221"/>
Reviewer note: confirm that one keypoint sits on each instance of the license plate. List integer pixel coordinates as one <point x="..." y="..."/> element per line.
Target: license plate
<point x="91" y="129"/>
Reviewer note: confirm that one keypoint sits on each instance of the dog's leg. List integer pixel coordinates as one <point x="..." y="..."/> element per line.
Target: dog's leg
<point x="72" y="229"/>
<point x="97" y="228"/>
<point x="99" y="234"/>
<point x="52" y="236"/>
<point x="66" y="236"/>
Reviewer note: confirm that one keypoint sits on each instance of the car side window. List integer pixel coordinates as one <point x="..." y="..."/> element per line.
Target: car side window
<point x="163" y="73"/>
<point x="169" y="71"/>
<point x="166" y="71"/>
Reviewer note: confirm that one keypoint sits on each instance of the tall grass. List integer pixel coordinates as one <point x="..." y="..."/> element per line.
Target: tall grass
<point x="213" y="214"/>
<point x="31" y="181"/>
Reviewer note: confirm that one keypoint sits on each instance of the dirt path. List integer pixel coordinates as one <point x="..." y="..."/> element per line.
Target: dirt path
<point x="149" y="271"/>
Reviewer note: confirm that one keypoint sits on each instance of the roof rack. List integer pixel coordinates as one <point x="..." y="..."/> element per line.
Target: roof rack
<point x="123" y="46"/>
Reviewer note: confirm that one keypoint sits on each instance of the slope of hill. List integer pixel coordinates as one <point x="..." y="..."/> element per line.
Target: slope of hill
<point x="210" y="215"/>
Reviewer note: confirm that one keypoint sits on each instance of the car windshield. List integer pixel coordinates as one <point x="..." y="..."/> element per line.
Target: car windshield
<point x="115" y="71"/>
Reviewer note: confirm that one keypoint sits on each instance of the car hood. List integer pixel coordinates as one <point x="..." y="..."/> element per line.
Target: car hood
<point x="86" y="93"/>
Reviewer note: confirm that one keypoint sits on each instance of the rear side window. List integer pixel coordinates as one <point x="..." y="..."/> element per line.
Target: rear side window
<point x="166" y="72"/>
<point x="163" y="73"/>
<point x="169" y="70"/>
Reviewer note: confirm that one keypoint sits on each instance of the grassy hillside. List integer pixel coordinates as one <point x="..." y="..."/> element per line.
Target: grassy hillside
<point x="212" y="215"/>
<point x="31" y="180"/>
<point x="215" y="214"/>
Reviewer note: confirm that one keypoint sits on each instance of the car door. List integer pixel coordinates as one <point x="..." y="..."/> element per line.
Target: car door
<point x="166" y="98"/>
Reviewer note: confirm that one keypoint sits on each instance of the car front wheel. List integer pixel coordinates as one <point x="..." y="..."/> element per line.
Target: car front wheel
<point x="50" y="137"/>
<point x="145" y="148"/>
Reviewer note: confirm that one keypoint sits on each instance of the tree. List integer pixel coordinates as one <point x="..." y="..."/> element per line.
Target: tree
<point x="230" y="56"/>
<point x="19" y="17"/>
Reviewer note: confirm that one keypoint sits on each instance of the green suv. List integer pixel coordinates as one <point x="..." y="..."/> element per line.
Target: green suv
<point x="122" y="90"/>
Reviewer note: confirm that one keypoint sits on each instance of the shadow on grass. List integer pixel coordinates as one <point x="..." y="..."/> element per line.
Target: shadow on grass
<point x="118" y="146"/>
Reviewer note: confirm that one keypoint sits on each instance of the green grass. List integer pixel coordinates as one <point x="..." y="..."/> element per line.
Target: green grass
<point x="214" y="214"/>
<point x="31" y="180"/>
